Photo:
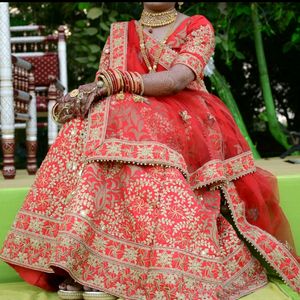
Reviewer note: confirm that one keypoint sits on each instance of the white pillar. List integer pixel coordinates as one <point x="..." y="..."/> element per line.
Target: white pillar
<point x="6" y="87"/>
<point x="31" y="127"/>
<point x="7" y="116"/>
<point x="52" y="126"/>
<point x="62" y="56"/>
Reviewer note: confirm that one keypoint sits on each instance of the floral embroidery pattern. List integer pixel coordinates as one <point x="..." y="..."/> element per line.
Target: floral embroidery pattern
<point x="149" y="232"/>
<point x="184" y="115"/>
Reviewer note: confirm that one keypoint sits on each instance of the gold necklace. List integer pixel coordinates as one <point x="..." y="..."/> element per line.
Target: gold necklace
<point x="159" y="51"/>
<point x="153" y="19"/>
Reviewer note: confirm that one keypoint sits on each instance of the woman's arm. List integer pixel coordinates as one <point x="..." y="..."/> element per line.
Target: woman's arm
<point x="155" y="84"/>
<point x="167" y="82"/>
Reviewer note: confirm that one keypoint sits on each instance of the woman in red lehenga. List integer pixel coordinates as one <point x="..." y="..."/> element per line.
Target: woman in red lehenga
<point x="127" y="201"/>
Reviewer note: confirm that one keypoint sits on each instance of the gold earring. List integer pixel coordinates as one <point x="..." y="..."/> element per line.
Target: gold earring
<point x="180" y="4"/>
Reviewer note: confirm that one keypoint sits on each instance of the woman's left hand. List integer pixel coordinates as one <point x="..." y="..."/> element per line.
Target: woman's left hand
<point x="82" y="98"/>
<point x="77" y="102"/>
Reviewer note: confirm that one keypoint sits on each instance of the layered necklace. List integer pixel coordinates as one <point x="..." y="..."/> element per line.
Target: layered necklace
<point x="151" y="19"/>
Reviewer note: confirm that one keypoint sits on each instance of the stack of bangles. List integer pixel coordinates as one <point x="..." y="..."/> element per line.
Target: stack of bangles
<point x="117" y="81"/>
<point x="114" y="80"/>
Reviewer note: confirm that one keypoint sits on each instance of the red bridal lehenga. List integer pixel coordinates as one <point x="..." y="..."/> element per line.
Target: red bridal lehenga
<point x="128" y="200"/>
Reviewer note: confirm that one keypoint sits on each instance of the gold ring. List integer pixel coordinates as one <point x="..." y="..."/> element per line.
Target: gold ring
<point x="74" y="93"/>
<point x="100" y="84"/>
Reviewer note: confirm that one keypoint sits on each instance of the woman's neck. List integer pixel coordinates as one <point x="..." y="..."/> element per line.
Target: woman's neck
<point x="158" y="19"/>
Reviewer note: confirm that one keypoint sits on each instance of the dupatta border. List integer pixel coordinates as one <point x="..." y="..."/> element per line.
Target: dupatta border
<point x="274" y="252"/>
<point x="118" y="45"/>
<point x="98" y="116"/>
<point x="156" y="154"/>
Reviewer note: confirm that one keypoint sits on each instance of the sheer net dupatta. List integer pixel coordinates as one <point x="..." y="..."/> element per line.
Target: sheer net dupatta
<point x="263" y="206"/>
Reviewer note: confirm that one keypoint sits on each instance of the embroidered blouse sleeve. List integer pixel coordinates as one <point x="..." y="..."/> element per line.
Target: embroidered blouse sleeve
<point x="199" y="46"/>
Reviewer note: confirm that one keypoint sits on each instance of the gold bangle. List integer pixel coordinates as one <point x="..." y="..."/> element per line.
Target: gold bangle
<point x="60" y="117"/>
<point x="105" y="78"/>
<point x="74" y="93"/>
<point x="106" y="85"/>
<point x="135" y="83"/>
<point x="117" y="79"/>
<point x="54" y="113"/>
<point x="100" y="84"/>
<point x="110" y="82"/>
<point x="120" y="80"/>
<point x="140" y="83"/>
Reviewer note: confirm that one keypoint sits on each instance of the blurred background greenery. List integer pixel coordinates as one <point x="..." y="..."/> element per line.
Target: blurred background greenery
<point x="235" y="57"/>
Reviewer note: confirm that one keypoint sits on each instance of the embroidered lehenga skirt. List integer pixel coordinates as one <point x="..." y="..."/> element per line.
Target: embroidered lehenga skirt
<point x="139" y="220"/>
